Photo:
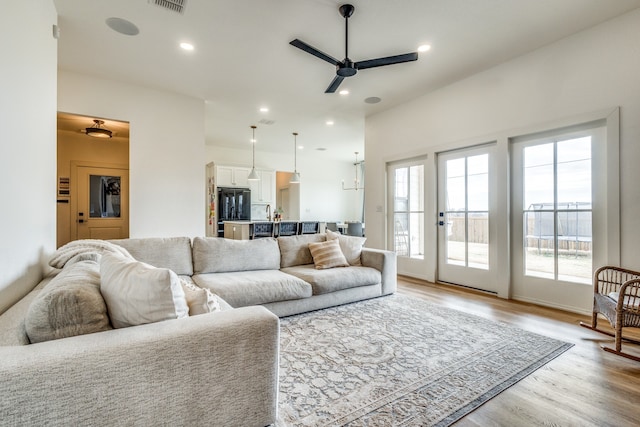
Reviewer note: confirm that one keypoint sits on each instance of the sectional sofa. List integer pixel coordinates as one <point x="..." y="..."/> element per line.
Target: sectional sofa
<point x="219" y="368"/>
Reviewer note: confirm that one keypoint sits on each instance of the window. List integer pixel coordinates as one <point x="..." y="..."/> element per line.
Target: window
<point x="557" y="210"/>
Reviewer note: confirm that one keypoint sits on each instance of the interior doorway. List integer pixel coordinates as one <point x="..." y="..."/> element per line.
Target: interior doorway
<point x="76" y="148"/>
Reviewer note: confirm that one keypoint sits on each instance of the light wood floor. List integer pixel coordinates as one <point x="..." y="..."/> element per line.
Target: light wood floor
<point x="584" y="386"/>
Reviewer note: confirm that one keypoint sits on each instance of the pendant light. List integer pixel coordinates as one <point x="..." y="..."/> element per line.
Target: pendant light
<point x="295" y="177"/>
<point x="253" y="176"/>
<point x="356" y="182"/>
<point x="98" y="130"/>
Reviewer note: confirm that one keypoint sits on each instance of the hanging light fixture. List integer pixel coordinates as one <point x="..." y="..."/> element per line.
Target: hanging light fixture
<point x="356" y="182"/>
<point x="98" y="130"/>
<point x="253" y="176"/>
<point x="295" y="177"/>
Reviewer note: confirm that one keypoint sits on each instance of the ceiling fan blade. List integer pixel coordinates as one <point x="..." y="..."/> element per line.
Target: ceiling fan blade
<point x="334" y="84"/>
<point x="313" y="51"/>
<point x="378" y="62"/>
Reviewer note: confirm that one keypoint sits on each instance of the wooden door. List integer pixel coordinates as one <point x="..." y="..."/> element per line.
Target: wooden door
<point x="100" y="203"/>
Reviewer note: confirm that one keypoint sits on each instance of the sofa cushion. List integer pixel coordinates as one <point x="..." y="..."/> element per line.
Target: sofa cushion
<point x="294" y="250"/>
<point x="70" y="305"/>
<point x="245" y="288"/>
<point x="137" y="293"/>
<point x="331" y="280"/>
<point x="173" y="253"/>
<point x="327" y="255"/>
<point x="351" y="246"/>
<point x="218" y="255"/>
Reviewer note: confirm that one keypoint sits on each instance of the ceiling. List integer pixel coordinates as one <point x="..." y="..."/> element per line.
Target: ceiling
<point x="243" y="61"/>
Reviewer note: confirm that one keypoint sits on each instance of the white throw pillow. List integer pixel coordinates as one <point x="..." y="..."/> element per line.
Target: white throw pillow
<point x="137" y="293"/>
<point x="351" y="246"/>
<point x="327" y="255"/>
<point x="199" y="300"/>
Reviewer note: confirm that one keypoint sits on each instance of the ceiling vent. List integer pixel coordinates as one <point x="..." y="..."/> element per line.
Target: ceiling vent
<point x="267" y="121"/>
<point x="171" y="5"/>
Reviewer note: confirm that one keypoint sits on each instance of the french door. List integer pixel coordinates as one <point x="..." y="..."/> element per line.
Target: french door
<point x="466" y="232"/>
<point x="406" y="231"/>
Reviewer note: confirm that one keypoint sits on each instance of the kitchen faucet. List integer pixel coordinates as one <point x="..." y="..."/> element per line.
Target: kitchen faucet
<point x="268" y="212"/>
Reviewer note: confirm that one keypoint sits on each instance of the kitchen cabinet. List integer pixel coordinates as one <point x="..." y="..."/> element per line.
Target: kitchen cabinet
<point x="264" y="191"/>
<point x="237" y="230"/>
<point x="232" y="176"/>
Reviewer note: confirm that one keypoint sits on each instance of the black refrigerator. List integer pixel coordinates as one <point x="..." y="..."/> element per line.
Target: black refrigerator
<point x="234" y="204"/>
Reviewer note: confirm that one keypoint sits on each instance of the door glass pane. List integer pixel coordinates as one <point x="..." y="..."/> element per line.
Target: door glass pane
<point x="538" y="176"/>
<point x="104" y="196"/>
<point x="401" y="190"/>
<point x="478" y="183"/>
<point x="416" y="175"/>
<point x="416" y="237"/>
<point x="478" y="233"/>
<point x="401" y="234"/>
<point x="455" y="187"/>
<point x="455" y="238"/>
<point x="539" y="252"/>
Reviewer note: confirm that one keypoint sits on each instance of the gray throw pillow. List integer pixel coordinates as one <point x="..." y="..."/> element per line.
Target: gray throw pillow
<point x="71" y="304"/>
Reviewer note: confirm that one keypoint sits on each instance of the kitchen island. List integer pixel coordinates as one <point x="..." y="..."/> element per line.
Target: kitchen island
<point x="246" y="230"/>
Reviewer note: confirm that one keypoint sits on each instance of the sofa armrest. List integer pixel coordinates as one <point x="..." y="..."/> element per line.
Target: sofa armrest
<point x="385" y="262"/>
<point x="211" y="369"/>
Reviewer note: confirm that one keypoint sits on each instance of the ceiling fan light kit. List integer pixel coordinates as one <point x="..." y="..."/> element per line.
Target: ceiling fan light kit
<point x="347" y="67"/>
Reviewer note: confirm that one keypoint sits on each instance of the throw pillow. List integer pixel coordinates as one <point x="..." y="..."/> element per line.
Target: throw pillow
<point x="137" y="293"/>
<point x="199" y="300"/>
<point x="70" y="305"/>
<point x="327" y="255"/>
<point x="294" y="250"/>
<point x="351" y="246"/>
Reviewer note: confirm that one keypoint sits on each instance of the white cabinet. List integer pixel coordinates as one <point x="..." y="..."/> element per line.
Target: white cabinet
<point x="232" y="176"/>
<point x="264" y="191"/>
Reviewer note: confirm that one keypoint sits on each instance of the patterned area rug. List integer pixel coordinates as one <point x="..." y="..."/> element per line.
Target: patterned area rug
<point x="398" y="360"/>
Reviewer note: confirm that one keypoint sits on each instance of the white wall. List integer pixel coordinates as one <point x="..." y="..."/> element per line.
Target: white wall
<point x="27" y="145"/>
<point x="166" y="167"/>
<point x="321" y="194"/>
<point x="593" y="70"/>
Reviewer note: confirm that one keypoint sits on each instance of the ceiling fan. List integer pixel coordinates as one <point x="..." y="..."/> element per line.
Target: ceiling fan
<point x="346" y="67"/>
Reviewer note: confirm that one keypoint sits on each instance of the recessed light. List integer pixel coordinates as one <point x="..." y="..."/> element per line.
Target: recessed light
<point x="300" y="147"/>
<point x="321" y="149"/>
<point x="264" y="110"/>
<point x="372" y="100"/>
<point x="344" y="92"/>
<point x="424" y="48"/>
<point x="186" y="46"/>
<point x="329" y="122"/>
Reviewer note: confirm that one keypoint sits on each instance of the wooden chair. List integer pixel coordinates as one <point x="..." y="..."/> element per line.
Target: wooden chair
<point x="617" y="298"/>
